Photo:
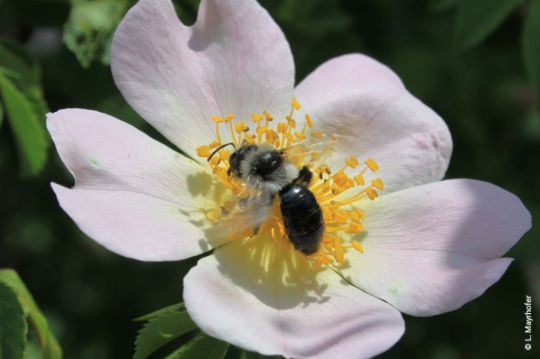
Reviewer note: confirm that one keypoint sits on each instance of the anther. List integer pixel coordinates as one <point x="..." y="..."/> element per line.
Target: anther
<point x="356" y="245"/>
<point x="295" y="104"/>
<point x="372" y="165"/>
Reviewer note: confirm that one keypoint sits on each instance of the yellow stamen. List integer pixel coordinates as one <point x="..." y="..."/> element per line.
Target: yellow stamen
<point x="359" y="179"/>
<point x="241" y="127"/>
<point x="355" y="227"/>
<point x="256" y="117"/>
<point x="309" y="121"/>
<point x="373" y="166"/>
<point x="218" y="135"/>
<point x="295" y="104"/>
<point x="204" y="151"/>
<point x="291" y="122"/>
<point x="378" y="183"/>
<point x="372" y="194"/>
<point x="352" y="162"/>
<point x="356" y="245"/>
<point x="338" y="193"/>
<point x="233" y="136"/>
<point x="268" y="116"/>
<point x="357" y="214"/>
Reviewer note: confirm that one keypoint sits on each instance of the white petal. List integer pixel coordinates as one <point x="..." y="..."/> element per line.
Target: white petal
<point x="433" y="248"/>
<point x="366" y="105"/>
<point x="104" y="153"/>
<point x="235" y="59"/>
<point x="259" y="305"/>
<point x="136" y="225"/>
<point x="132" y="194"/>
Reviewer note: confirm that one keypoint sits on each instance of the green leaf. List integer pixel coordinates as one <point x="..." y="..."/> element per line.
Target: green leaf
<point x="27" y="125"/>
<point x="1" y="114"/>
<point x="531" y="125"/>
<point x="12" y="325"/>
<point x="15" y="58"/>
<point x="253" y="355"/>
<point x="442" y="5"/>
<point x="476" y="19"/>
<point x="201" y="347"/>
<point x="20" y="78"/>
<point x="171" y="309"/>
<point x="24" y="72"/>
<point x="90" y="26"/>
<point x="49" y="346"/>
<point x="531" y="44"/>
<point x="161" y="330"/>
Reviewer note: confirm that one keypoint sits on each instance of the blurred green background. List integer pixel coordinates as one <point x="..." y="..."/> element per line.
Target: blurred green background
<point x="465" y="58"/>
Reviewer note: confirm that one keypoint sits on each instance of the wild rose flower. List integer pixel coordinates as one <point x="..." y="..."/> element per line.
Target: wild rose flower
<point x="397" y="239"/>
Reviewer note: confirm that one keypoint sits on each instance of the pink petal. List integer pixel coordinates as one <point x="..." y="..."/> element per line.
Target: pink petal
<point x="132" y="194"/>
<point x="367" y="106"/>
<point x="235" y="59"/>
<point x="235" y="298"/>
<point x="433" y="248"/>
<point x="104" y="153"/>
<point x="135" y="225"/>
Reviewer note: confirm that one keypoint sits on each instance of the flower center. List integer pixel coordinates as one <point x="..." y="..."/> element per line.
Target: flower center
<point x="338" y="192"/>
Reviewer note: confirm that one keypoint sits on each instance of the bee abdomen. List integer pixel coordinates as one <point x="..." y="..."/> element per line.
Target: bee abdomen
<point x="302" y="217"/>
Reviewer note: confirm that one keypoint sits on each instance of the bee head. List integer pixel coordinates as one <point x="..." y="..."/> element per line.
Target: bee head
<point x="261" y="166"/>
<point x="265" y="163"/>
<point x="238" y="157"/>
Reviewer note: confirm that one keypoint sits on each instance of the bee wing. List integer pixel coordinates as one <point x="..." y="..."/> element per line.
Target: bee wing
<point x="247" y="214"/>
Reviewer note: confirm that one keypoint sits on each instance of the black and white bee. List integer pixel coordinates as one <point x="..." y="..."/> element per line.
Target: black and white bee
<point x="265" y="169"/>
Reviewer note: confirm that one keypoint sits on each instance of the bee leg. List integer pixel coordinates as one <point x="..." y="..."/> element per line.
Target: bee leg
<point x="304" y="177"/>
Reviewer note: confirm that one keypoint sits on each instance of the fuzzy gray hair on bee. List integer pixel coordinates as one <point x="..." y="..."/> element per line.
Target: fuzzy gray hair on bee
<point x="261" y="167"/>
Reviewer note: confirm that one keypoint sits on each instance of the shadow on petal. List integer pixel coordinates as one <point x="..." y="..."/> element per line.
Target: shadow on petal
<point x="262" y="265"/>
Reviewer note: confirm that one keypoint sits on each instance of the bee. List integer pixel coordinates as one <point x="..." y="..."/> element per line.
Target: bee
<point x="267" y="170"/>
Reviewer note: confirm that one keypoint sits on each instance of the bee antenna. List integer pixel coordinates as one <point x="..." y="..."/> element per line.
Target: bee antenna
<point x="219" y="148"/>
